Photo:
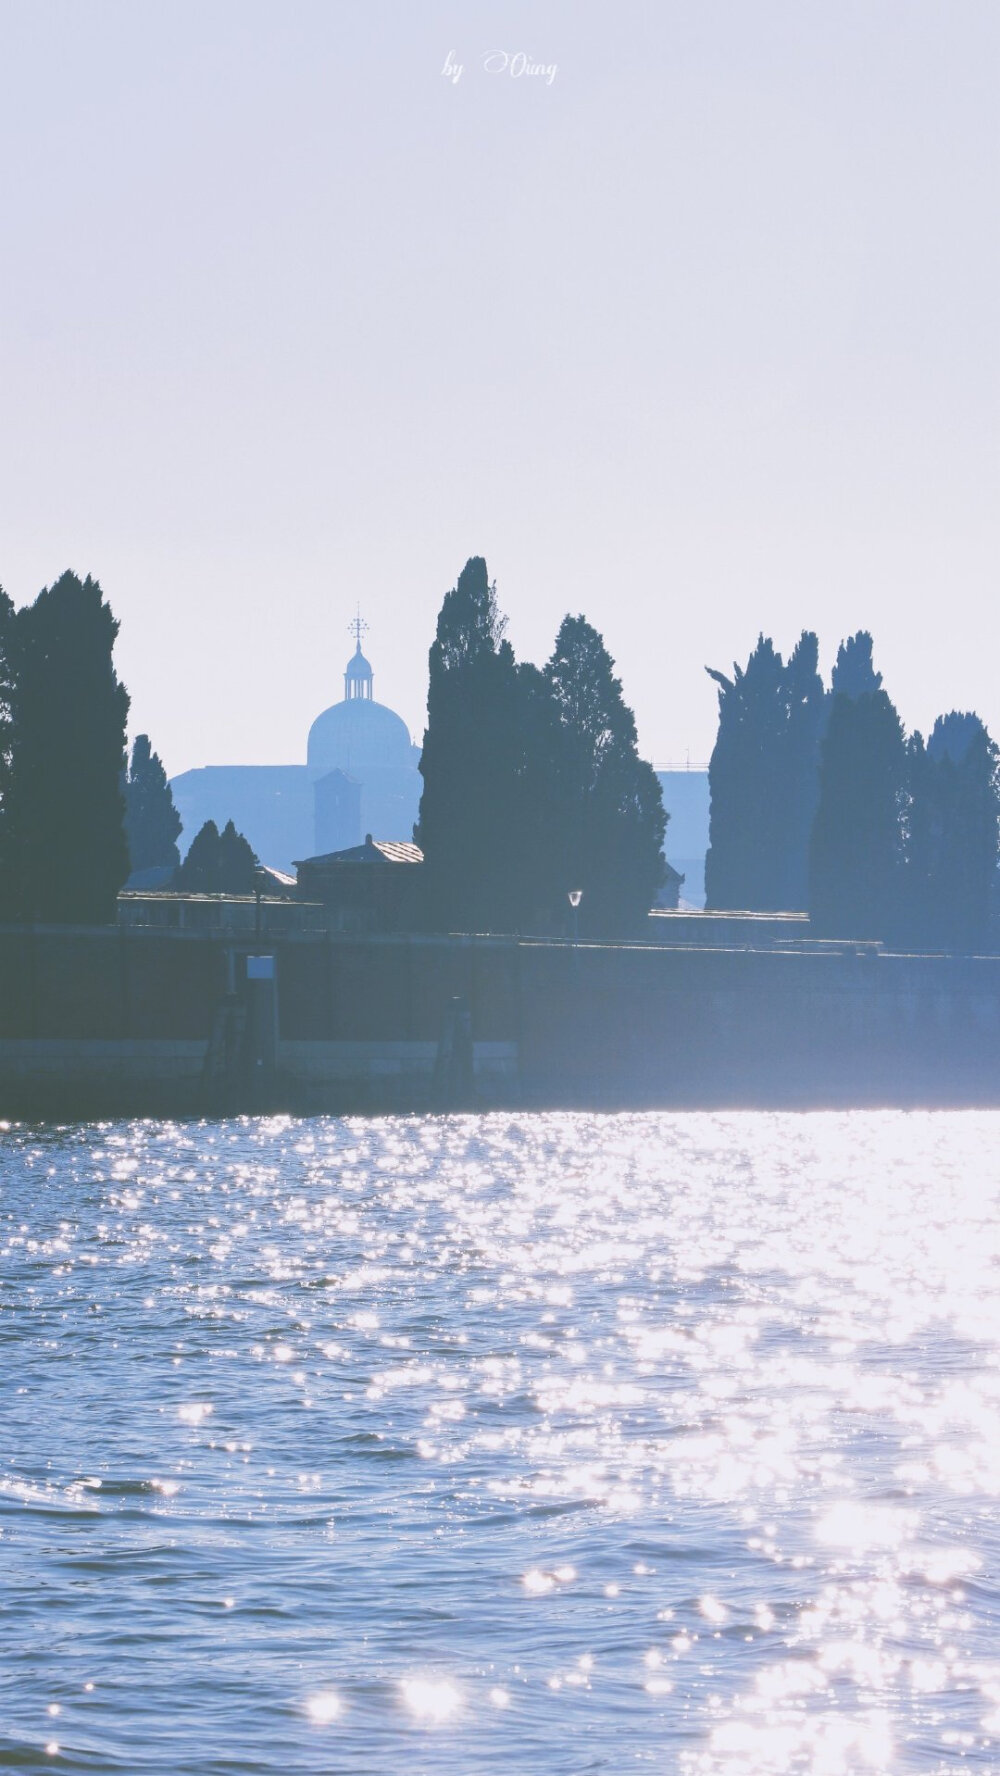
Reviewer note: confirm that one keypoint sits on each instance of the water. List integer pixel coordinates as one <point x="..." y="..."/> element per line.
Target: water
<point x="539" y="1444"/>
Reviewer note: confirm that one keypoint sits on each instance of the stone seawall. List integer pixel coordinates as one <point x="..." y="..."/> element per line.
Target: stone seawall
<point x="103" y="1022"/>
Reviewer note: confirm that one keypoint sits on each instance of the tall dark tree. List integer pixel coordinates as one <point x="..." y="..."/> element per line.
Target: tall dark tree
<point x="471" y="827"/>
<point x="68" y="713"/>
<point x="8" y="899"/>
<point x="238" y="862"/>
<point x="201" y="870"/>
<point x="743" y="823"/>
<point x="538" y="881"/>
<point x="952" y="835"/>
<point x="854" y="672"/>
<point x="796" y="789"/>
<point x="152" y="823"/>
<point x="610" y="821"/>
<point x="218" y="863"/>
<point x="763" y="779"/>
<point x="856" y="853"/>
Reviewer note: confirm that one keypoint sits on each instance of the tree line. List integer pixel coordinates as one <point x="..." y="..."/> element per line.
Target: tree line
<point x="820" y="801"/>
<point x="76" y="819"/>
<point x="532" y="787"/>
<point x="532" y="781"/>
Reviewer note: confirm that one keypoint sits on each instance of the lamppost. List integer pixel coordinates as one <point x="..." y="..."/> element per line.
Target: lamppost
<point x="574" y="897"/>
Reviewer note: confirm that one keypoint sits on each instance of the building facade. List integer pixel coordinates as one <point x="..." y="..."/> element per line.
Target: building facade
<point x="360" y="776"/>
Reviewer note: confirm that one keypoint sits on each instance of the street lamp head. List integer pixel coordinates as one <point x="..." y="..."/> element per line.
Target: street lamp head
<point x="575" y="896"/>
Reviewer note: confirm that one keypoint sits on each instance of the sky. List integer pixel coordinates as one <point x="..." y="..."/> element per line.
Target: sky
<point x="690" y="326"/>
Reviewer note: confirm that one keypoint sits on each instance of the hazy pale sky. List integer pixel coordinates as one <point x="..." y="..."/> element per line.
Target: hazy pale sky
<point x="697" y="336"/>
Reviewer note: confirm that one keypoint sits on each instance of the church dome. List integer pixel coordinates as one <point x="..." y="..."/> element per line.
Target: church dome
<point x="357" y="736"/>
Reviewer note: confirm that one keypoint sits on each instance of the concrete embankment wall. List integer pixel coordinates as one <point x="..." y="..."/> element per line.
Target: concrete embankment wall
<point x="743" y="1028"/>
<point x="103" y="1022"/>
<point x="110" y="1021"/>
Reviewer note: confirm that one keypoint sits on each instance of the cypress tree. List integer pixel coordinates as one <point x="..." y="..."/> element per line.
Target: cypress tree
<point x="538" y="886"/>
<point x="743" y="823"/>
<point x="854" y="672"/>
<point x="470" y="825"/>
<point x="152" y="823"/>
<point x="8" y="896"/>
<point x="856" y="852"/>
<point x="238" y="862"/>
<point x="796" y="789"/>
<point x="68" y="713"/>
<point x="200" y="871"/>
<point x="218" y="863"/>
<point x="611" y="819"/>
<point x="954" y="787"/>
<point x="763" y="779"/>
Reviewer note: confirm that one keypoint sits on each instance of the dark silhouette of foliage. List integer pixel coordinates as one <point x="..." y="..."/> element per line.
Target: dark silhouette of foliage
<point x="238" y="862"/>
<point x="199" y="873"/>
<point x="953" y="735"/>
<point x="152" y="823"/>
<point x="538" y="884"/>
<point x="7" y="632"/>
<point x="763" y="779"/>
<point x="856" y="853"/>
<point x="609" y="821"/>
<point x="954" y="797"/>
<point x="64" y="809"/>
<point x="819" y="800"/>
<point x="797" y="787"/>
<point x="854" y="672"/>
<point x="532" y="781"/>
<point x="742" y="822"/>
<point x="472" y="807"/>
<point x="218" y="863"/>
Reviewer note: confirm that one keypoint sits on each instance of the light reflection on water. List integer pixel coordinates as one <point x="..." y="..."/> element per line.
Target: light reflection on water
<point x="534" y="1444"/>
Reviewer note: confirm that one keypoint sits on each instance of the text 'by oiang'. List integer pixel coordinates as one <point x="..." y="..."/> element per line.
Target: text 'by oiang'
<point x="516" y="64"/>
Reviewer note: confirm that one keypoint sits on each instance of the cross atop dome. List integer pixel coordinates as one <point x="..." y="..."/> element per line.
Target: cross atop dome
<point x="358" y="677"/>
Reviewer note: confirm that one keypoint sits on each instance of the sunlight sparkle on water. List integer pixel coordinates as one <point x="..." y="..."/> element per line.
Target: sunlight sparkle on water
<point x="194" y="1413"/>
<point x="673" y="1433"/>
<point x="431" y="1699"/>
<point x="324" y="1707"/>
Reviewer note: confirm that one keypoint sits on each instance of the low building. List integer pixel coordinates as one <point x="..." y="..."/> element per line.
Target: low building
<point x="376" y="886"/>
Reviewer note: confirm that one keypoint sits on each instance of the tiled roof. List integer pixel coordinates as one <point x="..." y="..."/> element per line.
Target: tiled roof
<point x="398" y="850"/>
<point x="372" y="851"/>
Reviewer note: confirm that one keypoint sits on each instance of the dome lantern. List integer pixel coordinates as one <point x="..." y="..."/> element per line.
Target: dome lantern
<point x="358" y="676"/>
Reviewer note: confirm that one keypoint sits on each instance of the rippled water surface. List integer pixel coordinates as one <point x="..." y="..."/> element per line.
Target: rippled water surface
<point x="534" y="1444"/>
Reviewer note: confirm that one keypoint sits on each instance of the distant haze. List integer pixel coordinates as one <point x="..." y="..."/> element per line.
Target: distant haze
<point x="696" y="335"/>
